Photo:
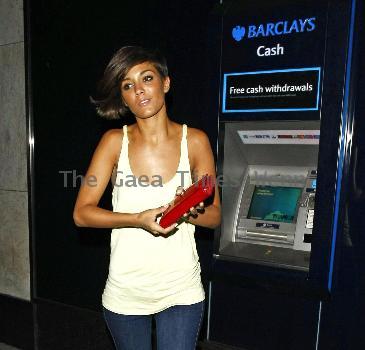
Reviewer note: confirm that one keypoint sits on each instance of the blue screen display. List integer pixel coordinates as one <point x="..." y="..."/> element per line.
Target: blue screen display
<point x="277" y="204"/>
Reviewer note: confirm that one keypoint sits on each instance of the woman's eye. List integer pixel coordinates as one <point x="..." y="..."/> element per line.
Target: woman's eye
<point x="126" y="86"/>
<point x="147" y="78"/>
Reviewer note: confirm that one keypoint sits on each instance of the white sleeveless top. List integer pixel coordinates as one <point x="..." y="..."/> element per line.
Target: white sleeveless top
<point x="148" y="273"/>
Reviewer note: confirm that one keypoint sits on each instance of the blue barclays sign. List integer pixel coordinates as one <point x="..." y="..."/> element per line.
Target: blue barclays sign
<point x="274" y="29"/>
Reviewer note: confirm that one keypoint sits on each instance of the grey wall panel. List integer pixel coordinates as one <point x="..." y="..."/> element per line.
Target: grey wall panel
<point x="14" y="232"/>
<point x="11" y="21"/>
<point x="13" y="145"/>
<point x="14" y="244"/>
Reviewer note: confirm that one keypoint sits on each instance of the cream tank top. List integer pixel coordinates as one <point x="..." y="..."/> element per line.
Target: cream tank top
<point x="148" y="273"/>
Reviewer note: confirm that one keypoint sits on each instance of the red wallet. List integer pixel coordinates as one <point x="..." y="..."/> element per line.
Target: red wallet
<point x="196" y="193"/>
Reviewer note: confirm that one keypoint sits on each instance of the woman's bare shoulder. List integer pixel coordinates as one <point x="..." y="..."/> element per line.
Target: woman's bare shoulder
<point x="111" y="142"/>
<point x="112" y="136"/>
<point x="198" y="147"/>
<point x="197" y="137"/>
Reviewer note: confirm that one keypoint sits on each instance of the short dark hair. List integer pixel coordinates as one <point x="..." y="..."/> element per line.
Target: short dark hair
<point x="109" y="103"/>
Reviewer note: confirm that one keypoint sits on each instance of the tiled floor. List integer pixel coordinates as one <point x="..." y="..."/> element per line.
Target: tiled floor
<point x="7" y="347"/>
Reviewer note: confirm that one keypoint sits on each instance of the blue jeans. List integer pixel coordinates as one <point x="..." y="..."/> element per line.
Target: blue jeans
<point x="177" y="328"/>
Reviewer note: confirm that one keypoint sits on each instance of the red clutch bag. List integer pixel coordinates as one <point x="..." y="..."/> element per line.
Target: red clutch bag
<point x="196" y="193"/>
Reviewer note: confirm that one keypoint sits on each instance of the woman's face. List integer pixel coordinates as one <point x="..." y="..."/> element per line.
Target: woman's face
<point x="143" y="90"/>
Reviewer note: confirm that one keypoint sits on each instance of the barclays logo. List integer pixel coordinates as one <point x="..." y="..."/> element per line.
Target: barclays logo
<point x="238" y="33"/>
<point x="274" y="29"/>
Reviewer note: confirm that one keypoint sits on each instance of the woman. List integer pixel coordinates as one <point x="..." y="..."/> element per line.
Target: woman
<point x="153" y="272"/>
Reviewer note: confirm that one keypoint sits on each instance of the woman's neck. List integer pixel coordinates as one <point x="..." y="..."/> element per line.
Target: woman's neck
<point x="154" y="129"/>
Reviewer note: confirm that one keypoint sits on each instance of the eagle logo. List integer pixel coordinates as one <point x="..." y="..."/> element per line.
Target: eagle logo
<point x="238" y="33"/>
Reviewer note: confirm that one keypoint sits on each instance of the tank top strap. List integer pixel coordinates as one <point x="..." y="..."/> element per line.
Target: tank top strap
<point x="125" y="133"/>
<point x="184" y="131"/>
<point x="184" y="144"/>
<point x="123" y="163"/>
<point x="184" y="153"/>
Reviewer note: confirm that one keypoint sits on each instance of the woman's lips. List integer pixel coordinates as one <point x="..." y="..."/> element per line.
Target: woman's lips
<point x="144" y="102"/>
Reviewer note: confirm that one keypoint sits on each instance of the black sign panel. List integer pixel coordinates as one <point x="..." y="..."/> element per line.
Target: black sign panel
<point x="275" y="90"/>
<point x="288" y="45"/>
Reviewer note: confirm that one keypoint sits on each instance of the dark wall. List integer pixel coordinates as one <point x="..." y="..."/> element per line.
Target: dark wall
<point x="68" y="45"/>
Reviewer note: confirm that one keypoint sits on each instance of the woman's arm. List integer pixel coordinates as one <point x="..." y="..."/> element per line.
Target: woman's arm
<point x="88" y="214"/>
<point x="202" y="162"/>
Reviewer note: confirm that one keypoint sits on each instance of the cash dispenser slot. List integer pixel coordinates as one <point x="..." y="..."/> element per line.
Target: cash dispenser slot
<point x="264" y="237"/>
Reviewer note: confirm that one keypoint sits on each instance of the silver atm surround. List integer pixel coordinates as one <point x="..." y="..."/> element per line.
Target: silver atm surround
<point x="238" y="159"/>
<point x="274" y="233"/>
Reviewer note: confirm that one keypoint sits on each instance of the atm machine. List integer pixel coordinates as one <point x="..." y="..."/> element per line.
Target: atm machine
<point x="288" y="92"/>
<point x="269" y="191"/>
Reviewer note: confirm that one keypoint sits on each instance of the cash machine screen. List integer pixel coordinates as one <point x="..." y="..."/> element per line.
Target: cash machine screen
<point x="274" y="203"/>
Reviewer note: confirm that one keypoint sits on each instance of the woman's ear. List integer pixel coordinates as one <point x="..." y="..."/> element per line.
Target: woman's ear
<point x="166" y="85"/>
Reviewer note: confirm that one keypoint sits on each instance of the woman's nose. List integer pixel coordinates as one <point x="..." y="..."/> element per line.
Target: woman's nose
<point x="138" y="89"/>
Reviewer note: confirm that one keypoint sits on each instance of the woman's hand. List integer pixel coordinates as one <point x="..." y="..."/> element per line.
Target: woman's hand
<point x="193" y="211"/>
<point x="147" y="220"/>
